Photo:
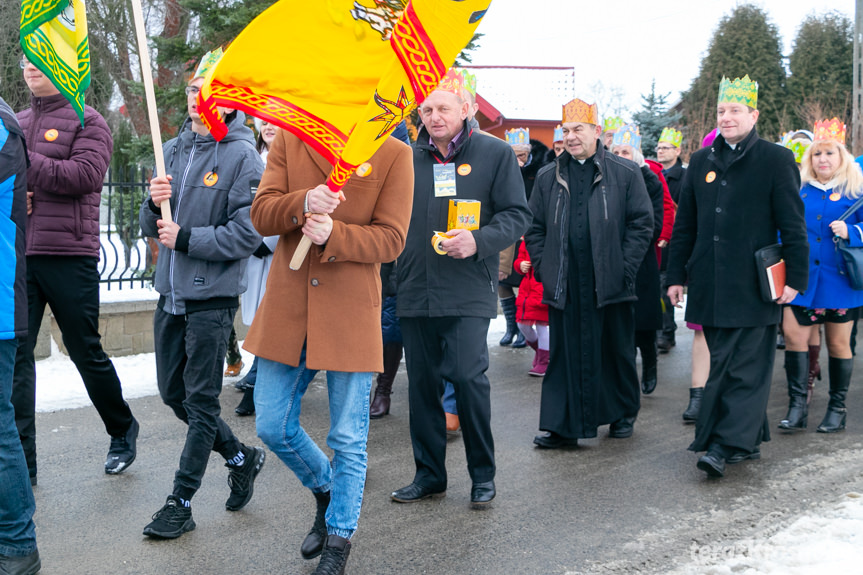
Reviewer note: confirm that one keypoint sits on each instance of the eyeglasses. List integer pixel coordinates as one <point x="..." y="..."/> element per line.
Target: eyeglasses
<point x="663" y="148"/>
<point x="192" y="90"/>
<point x="22" y="63"/>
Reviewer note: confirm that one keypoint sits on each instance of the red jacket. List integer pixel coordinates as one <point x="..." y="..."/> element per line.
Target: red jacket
<point x="669" y="209"/>
<point x="528" y="304"/>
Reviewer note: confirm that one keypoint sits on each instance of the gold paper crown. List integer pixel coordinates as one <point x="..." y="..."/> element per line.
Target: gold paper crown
<point x="453" y="82"/>
<point x="580" y="111"/>
<point x="208" y="62"/>
<point x="671" y="136"/>
<point x="830" y="130"/>
<point x="612" y="123"/>
<point x="739" y="91"/>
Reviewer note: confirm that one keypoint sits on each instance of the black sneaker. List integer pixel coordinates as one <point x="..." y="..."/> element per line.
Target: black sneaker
<point x="170" y="521"/>
<point x="335" y="556"/>
<point x="242" y="479"/>
<point x="123" y="450"/>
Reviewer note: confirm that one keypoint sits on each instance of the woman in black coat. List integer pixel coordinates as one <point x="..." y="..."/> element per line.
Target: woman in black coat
<point x="648" y="308"/>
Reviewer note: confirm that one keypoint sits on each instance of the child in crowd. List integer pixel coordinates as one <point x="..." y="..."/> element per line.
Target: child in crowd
<point x="531" y="314"/>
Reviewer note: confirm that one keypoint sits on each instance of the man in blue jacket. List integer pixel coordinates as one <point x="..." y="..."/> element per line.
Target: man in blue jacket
<point x="200" y="275"/>
<point x="18" y="553"/>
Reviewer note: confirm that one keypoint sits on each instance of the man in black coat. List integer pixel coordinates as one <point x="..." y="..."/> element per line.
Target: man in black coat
<point x="737" y="196"/>
<point x="445" y="301"/>
<point x="592" y="225"/>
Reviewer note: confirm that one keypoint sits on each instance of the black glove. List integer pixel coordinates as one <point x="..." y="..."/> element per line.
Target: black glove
<point x="262" y="251"/>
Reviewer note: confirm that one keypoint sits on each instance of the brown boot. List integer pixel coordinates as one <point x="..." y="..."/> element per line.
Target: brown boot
<point x="381" y="401"/>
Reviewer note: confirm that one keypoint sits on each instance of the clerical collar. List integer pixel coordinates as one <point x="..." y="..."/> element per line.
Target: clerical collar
<point x="733" y="146"/>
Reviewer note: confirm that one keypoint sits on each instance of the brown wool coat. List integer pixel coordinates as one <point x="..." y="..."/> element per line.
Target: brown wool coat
<point x="333" y="302"/>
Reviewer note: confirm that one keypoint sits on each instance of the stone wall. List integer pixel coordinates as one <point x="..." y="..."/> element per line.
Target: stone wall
<point x="126" y="328"/>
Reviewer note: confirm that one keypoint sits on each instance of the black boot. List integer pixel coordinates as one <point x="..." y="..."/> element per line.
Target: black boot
<point x="646" y="341"/>
<point x="392" y="359"/>
<point x="512" y="331"/>
<point x="797" y="373"/>
<point x="335" y="556"/>
<point x="691" y="413"/>
<point x="313" y="544"/>
<point x="840" y="378"/>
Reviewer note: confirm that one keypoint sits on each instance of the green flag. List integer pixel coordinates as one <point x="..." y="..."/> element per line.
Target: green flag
<point x="54" y="39"/>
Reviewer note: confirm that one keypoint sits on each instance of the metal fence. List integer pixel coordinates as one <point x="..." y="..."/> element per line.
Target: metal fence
<point x="127" y="258"/>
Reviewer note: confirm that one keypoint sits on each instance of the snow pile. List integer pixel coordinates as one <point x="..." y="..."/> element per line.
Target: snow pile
<point x="830" y="542"/>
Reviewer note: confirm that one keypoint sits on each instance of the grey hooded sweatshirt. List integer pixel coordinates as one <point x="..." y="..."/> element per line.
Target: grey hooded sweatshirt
<point x="211" y="196"/>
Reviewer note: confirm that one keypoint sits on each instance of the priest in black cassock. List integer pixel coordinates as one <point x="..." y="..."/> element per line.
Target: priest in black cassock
<point x="592" y="225"/>
<point x="738" y="195"/>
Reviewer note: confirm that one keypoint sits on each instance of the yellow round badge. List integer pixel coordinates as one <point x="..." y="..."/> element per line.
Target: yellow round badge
<point x="211" y="178"/>
<point x="711" y="175"/>
<point x="835" y="197"/>
<point x="364" y="170"/>
<point x="52" y="135"/>
<point x="464" y="169"/>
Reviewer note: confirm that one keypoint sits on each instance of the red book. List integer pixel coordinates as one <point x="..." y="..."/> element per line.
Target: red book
<point x="776" y="279"/>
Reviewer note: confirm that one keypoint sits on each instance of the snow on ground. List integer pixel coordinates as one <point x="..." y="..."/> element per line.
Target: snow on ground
<point x="60" y="387"/>
<point x="127" y="293"/>
<point x="828" y="542"/>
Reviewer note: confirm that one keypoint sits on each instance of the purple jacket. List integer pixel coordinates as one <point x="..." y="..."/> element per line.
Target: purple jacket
<point x="67" y="167"/>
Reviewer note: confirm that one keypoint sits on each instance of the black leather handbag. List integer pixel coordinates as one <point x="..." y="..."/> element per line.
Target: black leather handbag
<point x="851" y="257"/>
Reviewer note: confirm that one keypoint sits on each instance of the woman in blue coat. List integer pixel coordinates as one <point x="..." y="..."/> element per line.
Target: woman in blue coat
<point x="832" y="182"/>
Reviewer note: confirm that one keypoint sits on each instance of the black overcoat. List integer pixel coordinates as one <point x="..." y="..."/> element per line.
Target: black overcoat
<point x="726" y="213"/>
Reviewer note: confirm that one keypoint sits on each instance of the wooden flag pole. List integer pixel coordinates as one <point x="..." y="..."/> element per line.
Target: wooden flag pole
<point x="147" y="77"/>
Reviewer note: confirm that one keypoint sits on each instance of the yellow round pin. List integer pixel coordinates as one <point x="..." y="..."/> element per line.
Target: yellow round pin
<point x="464" y="169"/>
<point x="364" y="170"/>
<point x="711" y="175"/>
<point x="52" y="135"/>
<point x="211" y="178"/>
<point x="835" y="197"/>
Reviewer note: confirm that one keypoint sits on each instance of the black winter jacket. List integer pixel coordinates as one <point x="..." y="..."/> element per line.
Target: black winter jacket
<point x="726" y="213"/>
<point x="621" y="227"/>
<point x="432" y="285"/>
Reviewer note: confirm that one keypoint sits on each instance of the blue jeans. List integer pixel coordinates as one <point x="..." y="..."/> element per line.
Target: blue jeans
<point x="278" y="394"/>
<point x="449" y="404"/>
<point x="17" y="532"/>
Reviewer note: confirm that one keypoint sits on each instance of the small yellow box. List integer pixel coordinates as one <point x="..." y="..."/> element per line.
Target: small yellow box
<point x="463" y="215"/>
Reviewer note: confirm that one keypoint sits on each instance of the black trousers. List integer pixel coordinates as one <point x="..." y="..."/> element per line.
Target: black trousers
<point x="190" y="351"/>
<point x="452" y="349"/>
<point x="70" y="285"/>
<point x="734" y="408"/>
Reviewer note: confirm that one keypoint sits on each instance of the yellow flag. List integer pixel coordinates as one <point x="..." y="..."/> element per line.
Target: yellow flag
<point x="340" y="74"/>
<point x="53" y="36"/>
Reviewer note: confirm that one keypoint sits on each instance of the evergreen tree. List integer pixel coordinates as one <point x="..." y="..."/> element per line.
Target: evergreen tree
<point x="821" y="62"/>
<point x="745" y="42"/>
<point x="652" y="118"/>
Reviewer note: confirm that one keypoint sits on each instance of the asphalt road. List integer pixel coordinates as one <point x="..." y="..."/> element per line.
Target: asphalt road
<point x="610" y="506"/>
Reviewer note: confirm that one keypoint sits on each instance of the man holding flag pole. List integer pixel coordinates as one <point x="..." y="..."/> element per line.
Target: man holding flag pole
<point x="338" y="110"/>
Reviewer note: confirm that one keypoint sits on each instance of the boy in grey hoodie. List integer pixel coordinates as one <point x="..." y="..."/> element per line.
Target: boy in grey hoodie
<point x="200" y="275"/>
